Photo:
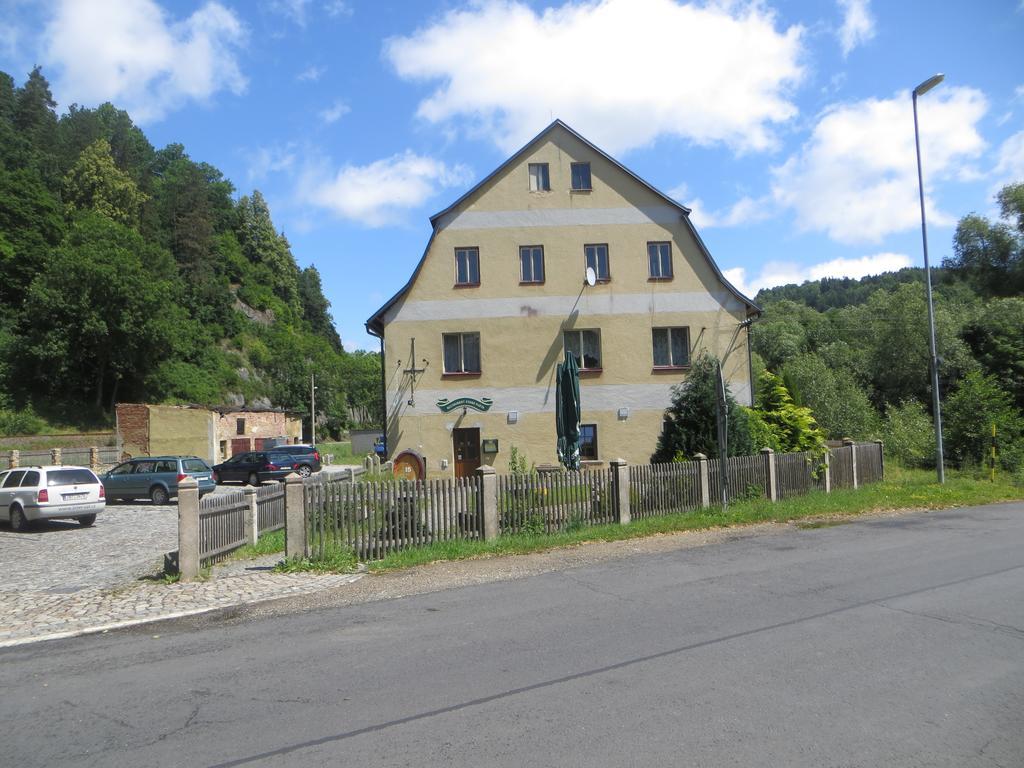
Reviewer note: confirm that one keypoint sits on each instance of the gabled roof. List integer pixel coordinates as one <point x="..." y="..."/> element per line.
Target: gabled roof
<point x="375" y="324"/>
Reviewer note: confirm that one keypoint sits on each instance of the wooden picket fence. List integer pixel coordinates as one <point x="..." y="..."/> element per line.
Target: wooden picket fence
<point x="377" y="518"/>
<point x="554" y="501"/>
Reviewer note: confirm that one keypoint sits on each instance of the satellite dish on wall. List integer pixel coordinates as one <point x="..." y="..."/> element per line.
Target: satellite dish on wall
<point x="591" y="276"/>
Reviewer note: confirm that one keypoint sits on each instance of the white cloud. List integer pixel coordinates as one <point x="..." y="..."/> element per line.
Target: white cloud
<point x="1018" y="92"/>
<point x="292" y="9"/>
<point x="856" y="177"/>
<point x="858" y="24"/>
<point x="337" y="8"/>
<point x="1010" y="162"/>
<point x="776" y="273"/>
<point x="335" y="112"/>
<point x="746" y="210"/>
<point x="623" y="72"/>
<point x="312" y="73"/>
<point x="266" y="160"/>
<point x="132" y="54"/>
<point x="379" y="193"/>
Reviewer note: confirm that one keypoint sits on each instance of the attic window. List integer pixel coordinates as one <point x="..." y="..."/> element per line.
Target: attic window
<point x="581" y="177"/>
<point x="540" y="180"/>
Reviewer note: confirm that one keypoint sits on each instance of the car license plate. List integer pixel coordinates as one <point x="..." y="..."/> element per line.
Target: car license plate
<point x="75" y="496"/>
<point x="202" y="477"/>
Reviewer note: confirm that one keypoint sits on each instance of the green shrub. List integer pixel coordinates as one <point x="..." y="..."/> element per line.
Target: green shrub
<point x="909" y="434"/>
<point x="23" y="422"/>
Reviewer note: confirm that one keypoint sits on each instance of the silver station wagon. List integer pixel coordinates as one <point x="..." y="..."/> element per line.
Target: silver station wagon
<point x="28" y="494"/>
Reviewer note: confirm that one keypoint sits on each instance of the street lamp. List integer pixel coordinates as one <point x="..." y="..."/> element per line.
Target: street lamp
<point x="312" y="409"/>
<point x="921" y="90"/>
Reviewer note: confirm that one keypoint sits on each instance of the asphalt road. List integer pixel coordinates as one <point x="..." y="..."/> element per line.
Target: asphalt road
<point x="887" y="642"/>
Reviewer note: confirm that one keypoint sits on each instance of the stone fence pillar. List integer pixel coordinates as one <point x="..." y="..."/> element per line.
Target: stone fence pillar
<point x="294" y="518"/>
<point x="620" y="487"/>
<point x="188" y="529"/>
<point x="705" y="480"/>
<point x="94" y="459"/>
<point x="770" y="477"/>
<point x="14" y="460"/>
<point x="55" y="457"/>
<point x="488" y="501"/>
<point x="848" y="443"/>
<point x="252" y="522"/>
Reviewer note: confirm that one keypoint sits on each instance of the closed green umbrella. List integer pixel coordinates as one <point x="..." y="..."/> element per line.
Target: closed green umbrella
<point x="567" y="412"/>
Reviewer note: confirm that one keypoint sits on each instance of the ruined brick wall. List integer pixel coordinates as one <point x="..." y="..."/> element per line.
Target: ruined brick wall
<point x="133" y="428"/>
<point x="258" y="424"/>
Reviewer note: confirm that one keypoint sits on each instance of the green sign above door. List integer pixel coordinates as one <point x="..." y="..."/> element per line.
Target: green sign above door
<point x="483" y="404"/>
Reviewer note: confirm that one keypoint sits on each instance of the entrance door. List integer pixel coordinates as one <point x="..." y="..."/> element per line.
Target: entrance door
<point x="466" y="446"/>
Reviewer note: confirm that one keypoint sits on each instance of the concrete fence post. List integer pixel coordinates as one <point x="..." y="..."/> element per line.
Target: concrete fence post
<point x="295" y="545"/>
<point x="770" y="477"/>
<point x="55" y="457"/>
<point x="704" y="479"/>
<point x="14" y="460"/>
<point x="827" y="469"/>
<point x="620" y="486"/>
<point x="488" y="501"/>
<point x="94" y="459"/>
<point x="848" y="443"/>
<point x="252" y="514"/>
<point x="188" y="529"/>
<point x="881" y="458"/>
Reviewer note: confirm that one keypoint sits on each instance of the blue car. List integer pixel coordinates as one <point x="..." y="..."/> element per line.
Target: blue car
<point x="156" y="477"/>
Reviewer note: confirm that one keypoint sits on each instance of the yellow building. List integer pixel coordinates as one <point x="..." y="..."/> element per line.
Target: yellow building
<point x="470" y="344"/>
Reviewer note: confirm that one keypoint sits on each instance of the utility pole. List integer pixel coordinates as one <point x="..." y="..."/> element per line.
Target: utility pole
<point x="312" y="409"/>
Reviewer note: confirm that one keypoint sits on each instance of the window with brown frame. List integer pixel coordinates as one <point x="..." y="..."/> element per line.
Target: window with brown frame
<point x="671" y="347"/>
<point x="467" y="266"/>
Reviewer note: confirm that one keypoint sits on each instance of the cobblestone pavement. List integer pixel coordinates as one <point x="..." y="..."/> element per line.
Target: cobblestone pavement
<point x="30" y="616"/>
<point x="61" y="579"/>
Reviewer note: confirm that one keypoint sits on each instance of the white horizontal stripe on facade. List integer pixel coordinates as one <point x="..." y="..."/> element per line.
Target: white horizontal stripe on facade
<point x="540" y="399"/>
<point x="560" y="217"/>
<point x="561" y="306"/>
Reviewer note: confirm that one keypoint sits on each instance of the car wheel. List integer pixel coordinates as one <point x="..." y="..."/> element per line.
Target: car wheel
<point x="159" y="494"/>
<point x="254" y="479"/>
<point x="86" y="520"/>
<point x="19" y="522"/>
<point x="305" y="470"/>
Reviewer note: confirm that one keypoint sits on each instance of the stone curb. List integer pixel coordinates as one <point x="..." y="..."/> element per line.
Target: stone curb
<point x="287" y="591"/>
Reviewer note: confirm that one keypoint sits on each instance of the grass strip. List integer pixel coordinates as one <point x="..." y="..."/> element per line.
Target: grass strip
<point x="902" y="489"/>
<point x="267" y="544"/>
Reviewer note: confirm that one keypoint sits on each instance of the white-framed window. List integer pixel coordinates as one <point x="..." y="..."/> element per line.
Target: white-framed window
<point x="659" y="259"/>
<point x="531" y="263"/>
<point x="597" y="259"/>
<point x="461" y="352"/>
<point x="671" y="347"/>
<point x="540" y="180"/>
<point x="467" y="266"/>
<point x="585" y="346"/>
<point x="588" y="442"/>
<point x="581" y="177"/>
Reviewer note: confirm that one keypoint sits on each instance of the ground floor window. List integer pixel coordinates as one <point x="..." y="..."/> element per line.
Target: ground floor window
<point x="588" y="442"/>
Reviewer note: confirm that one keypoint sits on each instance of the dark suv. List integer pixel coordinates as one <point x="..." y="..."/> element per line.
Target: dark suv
<point x="306" y="457"/>
<point x="254" y="467"/>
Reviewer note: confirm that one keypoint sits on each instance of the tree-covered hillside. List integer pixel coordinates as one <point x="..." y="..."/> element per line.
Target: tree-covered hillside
<point x="857" y="353"/>
<point x="132" y="273"/>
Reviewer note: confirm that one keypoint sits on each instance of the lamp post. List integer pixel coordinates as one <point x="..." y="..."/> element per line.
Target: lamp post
<point x="921" y="90"/>
<point x="312" y="409"/>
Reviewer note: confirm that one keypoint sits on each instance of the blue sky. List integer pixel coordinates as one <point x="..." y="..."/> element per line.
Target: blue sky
<point x="786" y="126"/>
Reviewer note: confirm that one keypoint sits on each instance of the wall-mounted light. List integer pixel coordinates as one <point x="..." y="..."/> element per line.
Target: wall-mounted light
<point x="623" y="414"/>
<point x="512" y="417"/>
